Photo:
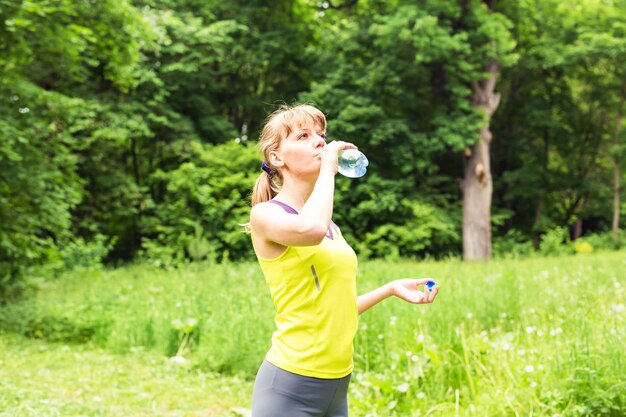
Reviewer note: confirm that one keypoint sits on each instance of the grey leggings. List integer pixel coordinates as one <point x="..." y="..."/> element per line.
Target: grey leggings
<point x="279" y="393"/>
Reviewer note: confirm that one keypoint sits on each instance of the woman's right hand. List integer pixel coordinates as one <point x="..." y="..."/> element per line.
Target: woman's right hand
<point x="330" y="155"/>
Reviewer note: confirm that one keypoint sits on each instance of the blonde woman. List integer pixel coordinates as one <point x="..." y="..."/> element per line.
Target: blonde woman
<point x="310" y="270"/>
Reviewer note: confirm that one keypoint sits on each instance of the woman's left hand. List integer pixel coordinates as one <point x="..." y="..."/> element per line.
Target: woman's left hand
<point x="408" y="290"/>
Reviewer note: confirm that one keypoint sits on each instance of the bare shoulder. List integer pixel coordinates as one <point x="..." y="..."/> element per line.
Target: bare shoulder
<point x="263" y="214"/>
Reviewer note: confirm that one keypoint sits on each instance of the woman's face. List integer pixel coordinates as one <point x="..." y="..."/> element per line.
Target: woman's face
<point x="301" y="149"/>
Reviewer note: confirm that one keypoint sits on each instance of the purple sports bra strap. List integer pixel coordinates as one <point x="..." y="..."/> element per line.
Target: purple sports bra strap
<point x="285" y="207"/>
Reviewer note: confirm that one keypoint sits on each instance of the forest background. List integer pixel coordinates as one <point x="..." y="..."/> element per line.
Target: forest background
<point x="128" y="128"/>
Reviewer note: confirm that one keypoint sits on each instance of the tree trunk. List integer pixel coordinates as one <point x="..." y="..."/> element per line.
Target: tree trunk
<point x="578" y="229"/>
<point x="616" y="204"/>
<point x="616" y="166"/>
<point x="477" y="184"/>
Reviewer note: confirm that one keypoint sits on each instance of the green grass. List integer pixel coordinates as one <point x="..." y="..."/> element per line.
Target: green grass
<point x="51" y="379"/>
<point x="532" y="337"/>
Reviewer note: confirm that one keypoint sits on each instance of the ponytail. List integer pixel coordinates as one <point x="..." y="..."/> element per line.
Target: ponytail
<point x="265" y="188"/>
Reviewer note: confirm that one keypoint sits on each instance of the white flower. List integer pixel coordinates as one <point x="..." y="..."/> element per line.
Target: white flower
<point x="470" y="315"/>
<point x="380" y="336"/>
<point x="179" y="360"/>
<point x="421" y="395"/>
<point x="539" y="333"/>
<point x="530" y="329"/>
<point x="540" y="367"/>
<point x="533" y="384"/>
<point x="618" y="308"/>
<point x="403" y="387"/>
<point x="24" y="110"/>
<point x="420" y="338"/>
<point x="556" y="331"/>
<point x="521" y="352"/>
<point x="414" y="358"/>
<point x="529" y="368"/>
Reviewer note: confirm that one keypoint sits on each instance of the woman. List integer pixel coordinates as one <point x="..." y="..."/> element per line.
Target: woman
<point x="310" y="270"/>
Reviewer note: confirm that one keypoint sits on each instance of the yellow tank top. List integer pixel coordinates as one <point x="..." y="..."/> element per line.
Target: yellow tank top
<point x="314" y="292"/>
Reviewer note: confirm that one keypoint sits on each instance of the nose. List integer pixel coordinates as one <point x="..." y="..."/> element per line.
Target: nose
<point x="320" y="142"/>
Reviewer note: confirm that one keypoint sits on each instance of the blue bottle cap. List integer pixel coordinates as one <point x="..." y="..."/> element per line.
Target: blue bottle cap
<point x="430" y="284"/>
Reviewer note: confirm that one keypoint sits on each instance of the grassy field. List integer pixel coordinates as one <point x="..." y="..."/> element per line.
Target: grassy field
<point x="532" y="337"/>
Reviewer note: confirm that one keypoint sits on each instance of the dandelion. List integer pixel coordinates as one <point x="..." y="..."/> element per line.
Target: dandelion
<point x="533" y="384"/>
<point x="414" y="358"/>
<point x="539" y="333"/>
<point x="421" y="395"/>
<point x="420" y="338"/>
<point x="521" y="352"/>
<point x="540" y="367"/>
<point x="364" y="326"/>
<point x="470" y="315"/>
<point x="556" y="331"/>
<point x="530" y="329"/>
<point x="408" y="354"/>
<point x="529" y="369"/>
<point x="179" y="360"/>
<point x="403" y="387"/>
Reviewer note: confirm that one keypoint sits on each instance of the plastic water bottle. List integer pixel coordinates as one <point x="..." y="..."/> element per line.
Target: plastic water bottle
<point x="352" y="163"/>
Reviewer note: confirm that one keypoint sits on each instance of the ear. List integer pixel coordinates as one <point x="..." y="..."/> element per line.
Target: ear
<point x="276" y="159"/>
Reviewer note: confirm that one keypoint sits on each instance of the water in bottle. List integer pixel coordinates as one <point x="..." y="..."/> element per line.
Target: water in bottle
<point x="352" y="163"/>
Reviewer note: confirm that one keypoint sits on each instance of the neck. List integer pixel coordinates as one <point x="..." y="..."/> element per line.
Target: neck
<point x="296" y="191"/>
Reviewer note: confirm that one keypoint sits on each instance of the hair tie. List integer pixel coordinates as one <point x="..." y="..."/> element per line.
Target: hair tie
<point x="267" y="169"/>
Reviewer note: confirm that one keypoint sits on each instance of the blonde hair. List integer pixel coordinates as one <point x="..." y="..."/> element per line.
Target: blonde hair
<point x="279" y="126"/>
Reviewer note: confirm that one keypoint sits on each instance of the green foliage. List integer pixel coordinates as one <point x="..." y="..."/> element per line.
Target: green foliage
<point x="203" y="204"/>
<point x="555" y="242"/>
<point x="514" y="244"/>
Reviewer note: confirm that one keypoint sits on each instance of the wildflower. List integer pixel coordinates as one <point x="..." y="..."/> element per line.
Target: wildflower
<point x="618" y="308"/>
<point x="470" y="315"/>
<point x="521" y="352"/>
<point x="380" y="336"/>
<point x="403" y="387"/>
<point x="540" y="367"/>
<point x="556" y="331"/>
<point x="421" y="395"/>
<point x="414" y="358"/>
<point x="24" y="110"/>
<point x="420" y="338"/>
<point x="539" y="333"/>
<point x="530" y="329"/>
<point x="529" y="368"/>
<point x="179" y="360"/>
<point x="533" y="384"/>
